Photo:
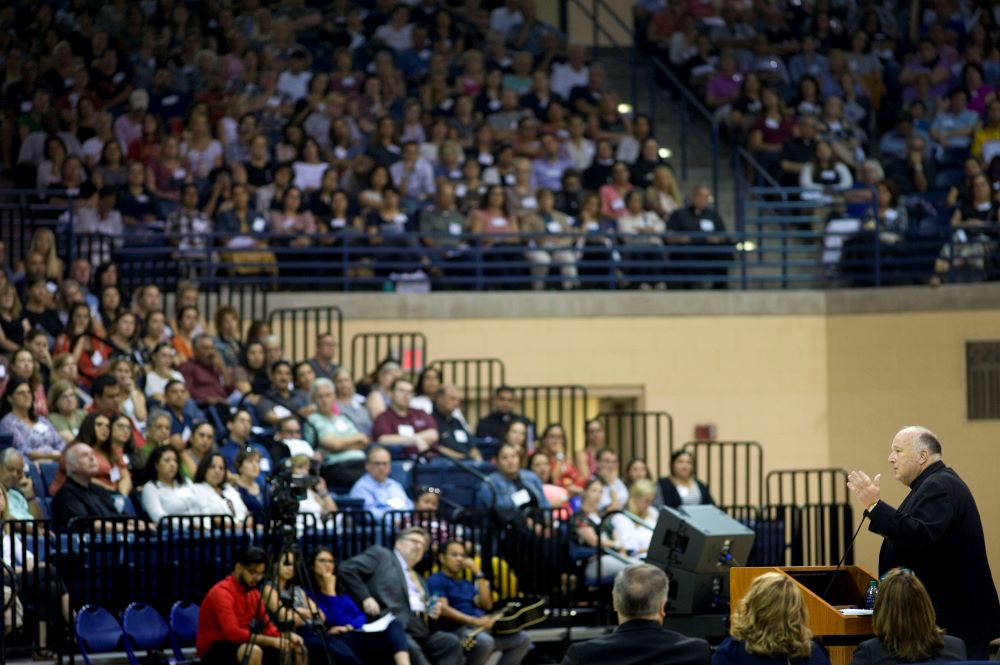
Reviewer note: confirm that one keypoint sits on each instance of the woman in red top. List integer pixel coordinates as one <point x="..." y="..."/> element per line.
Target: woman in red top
<point x="81" y="339"/>
<point x="771" y="131"/>
<point x="146" y="148"/>
<point x="564" y="473"/>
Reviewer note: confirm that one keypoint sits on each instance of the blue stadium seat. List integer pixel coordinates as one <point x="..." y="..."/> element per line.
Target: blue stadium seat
<point x="145" y="629"/>
<point x="124" y="505"/>
<point x="97" y="631"/>
<point x="49" y="470"/>
<point x="456" y="484"/>
<point x="183" y="626"/>
<point x="349" y="503"/>
<point x="6" y="440"/>
<point x="400" y="471"/>
<point x="41" y="486"/>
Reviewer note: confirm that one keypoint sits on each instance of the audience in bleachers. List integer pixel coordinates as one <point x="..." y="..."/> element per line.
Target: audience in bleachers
<point x="872" y="84"/>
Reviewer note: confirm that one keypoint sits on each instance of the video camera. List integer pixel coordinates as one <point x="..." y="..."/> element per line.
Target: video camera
<point x="289" y="488"/>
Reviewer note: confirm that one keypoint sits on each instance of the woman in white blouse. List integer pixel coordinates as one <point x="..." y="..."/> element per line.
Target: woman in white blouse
<point x="634" y="535"/>
<point x="213" y="494"/>
<point x="167" y="492"/>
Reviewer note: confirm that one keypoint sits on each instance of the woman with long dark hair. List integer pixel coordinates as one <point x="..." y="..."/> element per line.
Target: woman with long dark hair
<point x="681" y="487"/>
<point x="342" y="617"/>
<point x="905" y="626"/>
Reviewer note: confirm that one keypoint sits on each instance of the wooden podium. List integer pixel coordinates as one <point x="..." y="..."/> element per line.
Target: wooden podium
<point x="840" y="633"/>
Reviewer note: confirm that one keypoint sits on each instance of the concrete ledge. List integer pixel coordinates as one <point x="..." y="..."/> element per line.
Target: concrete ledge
<point x="632" y="304"/>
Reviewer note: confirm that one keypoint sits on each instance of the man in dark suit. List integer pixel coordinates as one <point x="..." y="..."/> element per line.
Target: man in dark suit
<point x="698" y="233"/>
<point x="936" y="532"/>
<point x="380" y="579"/>
<point x="640" y="599"/>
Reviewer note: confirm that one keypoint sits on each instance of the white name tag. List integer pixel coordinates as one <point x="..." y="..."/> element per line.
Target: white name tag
<point x="96" y="358"/>
<point x="40" y="427"/>
<point x="706" y="224"/>
<point x="186" y="433"/>
<point x="265" y="465"/>
<point x="281" y="412"/>
<point x="553" y="227"/>
<point x="115" y="475"/>
<point x="406" y="430"/>
<point x="828" y="174"/>
<point x="259" y="225"/>
<point x="617" y="204"/>
<point x="529" y="202"/>
<point x="771" y="123"/>
<point x="520" y="498"/>
<point x="461" y="436"/>
<point x="454" y="228"/>
<point x="498" y="222"/>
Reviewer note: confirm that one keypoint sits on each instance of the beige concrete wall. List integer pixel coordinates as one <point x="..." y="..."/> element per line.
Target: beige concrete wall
<point x="729" y="370"/>
<point x="891" y="370"/>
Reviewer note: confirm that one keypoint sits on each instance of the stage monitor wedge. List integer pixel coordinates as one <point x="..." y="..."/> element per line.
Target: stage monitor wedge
<point x="699" y="539"/>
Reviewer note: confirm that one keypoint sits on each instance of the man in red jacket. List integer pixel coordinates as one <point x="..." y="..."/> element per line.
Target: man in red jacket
<point x="225" y="617"/>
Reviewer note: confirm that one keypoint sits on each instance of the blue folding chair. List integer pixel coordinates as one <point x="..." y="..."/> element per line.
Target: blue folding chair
<point x="183" y="626"/>
<point x="98" y="631"/>
<point x="145" y="629"/>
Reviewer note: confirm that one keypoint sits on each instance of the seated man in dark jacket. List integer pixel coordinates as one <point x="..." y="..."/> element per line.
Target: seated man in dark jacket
<point x="700" y="225"/>
<point x="640" y="599"/>
<point x="78" y="497"/>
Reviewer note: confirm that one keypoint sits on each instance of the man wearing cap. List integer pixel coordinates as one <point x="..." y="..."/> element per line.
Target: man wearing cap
<point x="128" y="128"/>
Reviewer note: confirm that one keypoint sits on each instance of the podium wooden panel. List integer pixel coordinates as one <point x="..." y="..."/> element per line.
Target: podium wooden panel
<point x="840" y="633"/>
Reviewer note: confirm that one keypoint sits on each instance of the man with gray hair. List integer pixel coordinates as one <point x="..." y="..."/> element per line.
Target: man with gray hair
<point x="937" y="533"/>
<point x="640" y="599"/>
<point x="21" y="499"/>
<point x="79" y="497"/>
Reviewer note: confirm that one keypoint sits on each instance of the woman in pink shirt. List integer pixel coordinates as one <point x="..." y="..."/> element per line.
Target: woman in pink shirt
<point x="613" y="194"/>
<point x="497" y="229"/>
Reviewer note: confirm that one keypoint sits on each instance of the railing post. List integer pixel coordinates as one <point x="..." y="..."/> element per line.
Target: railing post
<point x="593" y="29"/>
<point x="715" y="162"/>
<point x="878" y="251"/>
<point x="684" y="137"/>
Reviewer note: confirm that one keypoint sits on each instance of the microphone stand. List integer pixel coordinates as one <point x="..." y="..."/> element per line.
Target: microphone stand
<point x="847" y="550"/>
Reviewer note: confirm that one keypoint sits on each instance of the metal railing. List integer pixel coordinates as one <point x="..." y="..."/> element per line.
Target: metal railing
<point x="806" y="486"/>
<point x="409" y="349"/>
<point x="733" y="470"/>
<point x="648" y="435"/>
<point x="476" y="379"/>
<point x="785" y="238"/>
<point x="547" y="405"/>
<point x="298" y="328"/>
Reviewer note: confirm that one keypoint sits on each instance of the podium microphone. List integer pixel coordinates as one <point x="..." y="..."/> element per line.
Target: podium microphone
<point x="840" y="563"/>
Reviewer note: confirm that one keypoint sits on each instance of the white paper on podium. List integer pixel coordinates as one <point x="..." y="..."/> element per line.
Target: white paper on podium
<point x="852" y="612"/>
<point x="378" y="625"/>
